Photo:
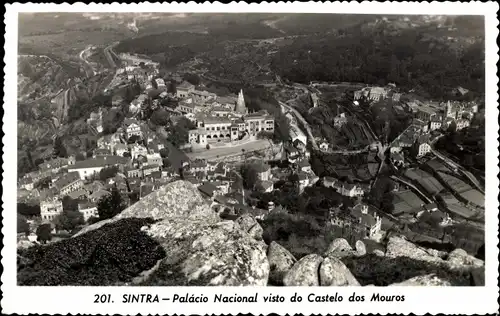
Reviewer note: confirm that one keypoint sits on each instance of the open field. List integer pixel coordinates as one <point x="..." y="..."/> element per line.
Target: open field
<point x="427" y="181"/>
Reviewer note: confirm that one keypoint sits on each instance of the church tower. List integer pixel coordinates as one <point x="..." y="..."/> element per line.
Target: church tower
<point x="240" y="104"/>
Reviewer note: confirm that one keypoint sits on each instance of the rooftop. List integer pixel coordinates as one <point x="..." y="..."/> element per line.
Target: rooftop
<point x="66" y="179"/>
<point x="207" y="188"/>
<point x="185" y="85"/>
<point x="100" y="162"/>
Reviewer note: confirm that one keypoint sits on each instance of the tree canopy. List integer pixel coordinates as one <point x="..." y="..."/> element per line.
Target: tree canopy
<point x="44" y="233"/>
<point x="69" y="220"/>
<point x="110" y="205"/>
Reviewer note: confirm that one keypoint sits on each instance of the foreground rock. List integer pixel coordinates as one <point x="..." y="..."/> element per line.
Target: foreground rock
<point x="334" y="273"/>
<point x="406" y="263"/>
<point x="314" y="270"/>
<point x="304" y="272"/>
<point x="195" y="247"/>
<point x="250" y="225"/>
<point x="424" y="280"/>
<point x="339" y="248"/>
<point x="280" y="262"/>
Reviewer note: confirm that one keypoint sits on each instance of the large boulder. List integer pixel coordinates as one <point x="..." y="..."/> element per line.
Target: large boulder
<point x="203" y="253"/>
<point x="339" y="248"/>
<point x="460" y="258"/>
<point x="424" y="280"/>
<point x="179" y="199"/>
<point x="280" y="262"/>
<point x="193" y="245"/>
<point x="249" y="224"/>
<point x="304" y="272"/>
<point x="333" y="272"/>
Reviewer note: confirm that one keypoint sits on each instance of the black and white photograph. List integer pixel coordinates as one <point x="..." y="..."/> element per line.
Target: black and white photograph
<point x="251" y="149"/>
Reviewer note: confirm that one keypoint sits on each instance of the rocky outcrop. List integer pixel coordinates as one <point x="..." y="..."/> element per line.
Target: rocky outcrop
<point x="250" y="225"/>
<point x="406" y="263"/>
<point x="199" y="248"/>
<point x="340" y="248"/>
<point x="424" y="280"/>
<point x="280" y="262"/>
<point x="314" y="270"/>
<point x="172" y="237"/>
<point x="334" y="273"/>
<point x="304" y="272"/>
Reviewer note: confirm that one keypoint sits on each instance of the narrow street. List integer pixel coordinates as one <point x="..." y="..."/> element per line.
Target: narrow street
<point x="304" y="123"/>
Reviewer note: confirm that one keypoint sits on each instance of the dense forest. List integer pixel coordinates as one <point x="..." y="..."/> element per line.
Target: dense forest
<point x="411" y="58"/>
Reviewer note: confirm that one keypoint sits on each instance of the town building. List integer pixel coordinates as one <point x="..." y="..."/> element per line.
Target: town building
<point x="50" y="208"/>
<point x="370" y="223"/>
<point x="131" y="172"/>
<point x="90" y="167"/>
<point x="132" y="128"/>
<point x="324" y="146"/>
<point x="461" y="124"/>
<point x="265" y="186"/>
<point x="148" y="170"/>
<point x="154" y="159"/>
<point x="120" y="149"/>
<point x="371" y="93"/>
<point x="263" y="171"/>
<point x="201" y="97"/>
<point x="109" y="141"/>
<point x="397" y="158"/>
<point x="88" y="210"/>
<point x="426" y="113"/>
<point x="227" y="101"/>
<point x="209" y="190"/>
<point x="297" y="134"/>
<point x="435" y="123"/>
<point x="421" y="146"/>
<point x="97" y="195"/>
<point x="160" y="83"/>
<point x="184" y="89"/>
<point x="137" y="150"/>
<point x="360" y="219"/>
<point x="98" y="152"/>
<point x="211" y="129"/>
<point x="186" y="107"/>
<point x="26" y="184"/>
<point x="68" y="183"/>
<point x="305" y="166"/>
<point x="55" y="165"/>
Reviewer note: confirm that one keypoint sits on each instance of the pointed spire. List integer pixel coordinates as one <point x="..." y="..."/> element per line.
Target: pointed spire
<point x="240" y="105"/>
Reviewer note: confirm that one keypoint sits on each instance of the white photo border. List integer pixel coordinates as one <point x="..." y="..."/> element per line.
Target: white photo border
<point x="418" y="300"/>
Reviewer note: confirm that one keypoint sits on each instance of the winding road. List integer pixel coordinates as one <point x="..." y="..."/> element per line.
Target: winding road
<point x="87" y="66"/>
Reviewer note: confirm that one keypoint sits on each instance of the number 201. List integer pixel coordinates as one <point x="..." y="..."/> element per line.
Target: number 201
<point x="102" y="298"/>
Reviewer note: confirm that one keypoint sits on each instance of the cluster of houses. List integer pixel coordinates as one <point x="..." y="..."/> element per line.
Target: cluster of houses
<point x="442" y="115"/>
<point x="430" y="119"/>
<point x="377" y="93"/>
<point x="133" y="153"/>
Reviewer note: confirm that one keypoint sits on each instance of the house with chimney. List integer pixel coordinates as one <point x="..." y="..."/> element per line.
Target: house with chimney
<point x="184" y="90"/>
